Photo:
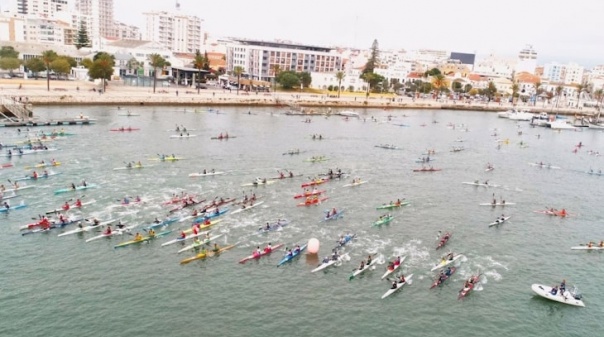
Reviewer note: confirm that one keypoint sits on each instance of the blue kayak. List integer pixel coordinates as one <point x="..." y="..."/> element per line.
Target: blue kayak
<point x="163" y="223"/>
<point x="12" y="208"/>
<point x="78" y="188"/>
<point x="333" y="217"/>
<point x="54" y="224"/>
<point x="211" y="215"/>
<point x="288" y="258"/>
<point x="39" y="177"/>
<point x="273" y="226"/>
<point x="347" y="238"/>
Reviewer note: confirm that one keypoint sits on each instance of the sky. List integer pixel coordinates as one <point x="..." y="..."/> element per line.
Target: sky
<point x="563" y="31"/>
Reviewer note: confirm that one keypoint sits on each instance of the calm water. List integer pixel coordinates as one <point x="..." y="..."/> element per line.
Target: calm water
<point x="62" y="286"/>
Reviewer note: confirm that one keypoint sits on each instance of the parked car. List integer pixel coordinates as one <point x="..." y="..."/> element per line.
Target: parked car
<point x="201" y="86"/>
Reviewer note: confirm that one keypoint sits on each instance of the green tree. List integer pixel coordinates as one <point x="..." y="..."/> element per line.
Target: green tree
<point x="276" y="70"/>
<point x="288" y="79"/>
<point x="457" y="86"/>
<point x="206" y="64"/>
<point x="491" y="90"/>
<point x="132" y="64"/>
<point x="373" y="58"/>
<point x="47" y="57"/>
<point x="439" y="82"/>
<point x="9" y="63"/>
<point x="72" y="62"/>
<point x="305" y="78"/>
<point x="467" y="88"/>
<point x="60" y="66"/>
<point x="432" y="72"/>
<point x="237" y="71"/>
<point x="35" y="65"/>
<point x="86" y="63"/>
<point x="198" y="63"/>
<point x="559" y="90"/>
<point x="340" y="76"/>
<point x="82" y="39"/>
<point x="102" y="68"/>
<point x="8" y="52"/>
<point x="580" y="89"/>
<point x="351" y="88"/>
<point x="330" y="88"/>
<point x="385" y="85"/>
<point x="156" y="61"/>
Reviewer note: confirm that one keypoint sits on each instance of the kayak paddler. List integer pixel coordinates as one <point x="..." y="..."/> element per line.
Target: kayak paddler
<point x="138" y="237"/>
<point x="216" y="248"/>
<point x="107" y="231"/>
<point x="66" y="206"/>
<point x="402" y="279"/>
<point x="394" y="285"/>
<point x="34" y="175"/>
<point x="183" y="235"/>
<point x="268" y="248"/>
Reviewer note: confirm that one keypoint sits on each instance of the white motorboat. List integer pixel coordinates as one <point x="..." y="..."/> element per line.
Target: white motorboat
<point x="560" y="125"/>
<point x="521" y="116"/>
<point x="570" y="297"/>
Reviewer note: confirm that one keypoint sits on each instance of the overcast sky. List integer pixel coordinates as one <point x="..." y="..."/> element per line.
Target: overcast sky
<point x="559" y="30"/>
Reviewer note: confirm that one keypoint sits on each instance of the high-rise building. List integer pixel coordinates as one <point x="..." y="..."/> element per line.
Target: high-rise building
<point x="101" y="13"/>
<point x="527" y="60"/>
<point x="126" y="32"/>
<point x="180" y="33"/>
<point x="42" y="8"/>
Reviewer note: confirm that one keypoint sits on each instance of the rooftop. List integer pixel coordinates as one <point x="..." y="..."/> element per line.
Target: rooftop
<point x="290" y="45"/>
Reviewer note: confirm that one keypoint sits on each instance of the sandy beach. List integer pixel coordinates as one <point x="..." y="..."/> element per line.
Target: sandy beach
<point x="87" y="93"/>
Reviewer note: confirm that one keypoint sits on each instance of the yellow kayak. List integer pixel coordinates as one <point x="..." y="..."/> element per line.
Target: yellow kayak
<point x="203" y="256"/>
<point x="202" y="227"/>
<point x="40" y="165"/>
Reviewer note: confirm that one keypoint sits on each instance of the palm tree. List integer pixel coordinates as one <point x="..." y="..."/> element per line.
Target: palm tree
<point x="439" y="82"/>
<point x="558" y="93"/>
<point x="368" y="77"/>
<point x="515" y="89"/>
<point x="276" y="70"/>
<point x="156" y="61"/>
<point x="580" y="89"/>
<point x="340" y="76"/>
<point x="47" y="57"/>
<point x="198" y="63"/>
<point x="237" y="71"/>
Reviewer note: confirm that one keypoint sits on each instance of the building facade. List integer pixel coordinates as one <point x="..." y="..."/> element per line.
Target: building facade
<point x="126" y="32"/>
<point x="527" y="60"/>
<point x="101" y="14"/>
<point x="41" y="8"/>
<point x="554" y="72"/>
<point x="261" y="60"/>
<point x="180" y="33"/>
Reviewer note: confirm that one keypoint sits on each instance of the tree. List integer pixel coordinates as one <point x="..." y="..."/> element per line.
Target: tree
<point x="351" y="88"/>
<point x="305" y="79"/>
<point x="82" y="40"/>
<point x="9" y="63"/>
<point x="439" y="82"/>
<point x="340" y="76"/>
<point x="288" y="79"/>
<point x="35" y="65"/>
<point x="467" y="88"/>
<point x="86" y="63"/>
<point x="396" y="85"/>
<point x="580" y="89"/>
<point x="156" y="61"/>
<point x="457" y="86"/>
<point x="559" y="90"/>
<point x="72" y="62"/>
<point x="276" y="70"/>
<point x="8" y="52"/>
<point x="132" y="64"/>
<point x="330" y="88"/>
<point x="515" y="89"/>
<point x="60" y="66"/>
<point x="198" y="63"/>
<point x="491" y="90"/>
<point x="102" y="68"/>
<point x="206" y="64"/>
<point x="473" y="92"/>
<point x="385" y="85"/>
<point x="432" y="72"/>
<point x="373" y="58"/>
<point x="237" y="71"/>
<point x="47" y="57"/>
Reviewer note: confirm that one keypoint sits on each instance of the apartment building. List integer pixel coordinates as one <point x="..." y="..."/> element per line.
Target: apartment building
<point x="41" y="8"/>
<point x="101" y="14"/>
<point x="180" y="33"/>
<point x="124" y="31"/>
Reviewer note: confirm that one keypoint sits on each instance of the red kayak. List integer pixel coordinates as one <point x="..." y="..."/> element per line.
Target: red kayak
<point x="438" y="281"/>
<point x="443" y="240"/>
<point x="259" y="255"/>
<point x="308" y="194"/>
<point x="554" y="213"/>
<point x="427" y="170"/>
<point x="469" y="286"/>
<point x="125" y="129"/>
<point x="6" y="165"/>
<point x="312" y="202"/>
<point x="177" y="200"/>
<point x="315" y="182"/>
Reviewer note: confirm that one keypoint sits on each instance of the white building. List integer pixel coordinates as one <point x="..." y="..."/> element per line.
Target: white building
<point x="101" y="14"/>
<point x="140" y="50"/>
<point x="527" y="60"/>
<point x="260" y="59"/>
<point x="351" y="80"/>
<point x="126" y="32"/>
<point x="399" y="71"/>
<point x="573" y="74"/>
<point x="41" y="8"/>
<point x="181" y="33"/>
<point x="493" y="66"/>
<point x="35" y="30"/>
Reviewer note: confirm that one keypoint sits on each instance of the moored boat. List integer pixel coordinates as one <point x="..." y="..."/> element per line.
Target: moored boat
<point x="570" y="297"/>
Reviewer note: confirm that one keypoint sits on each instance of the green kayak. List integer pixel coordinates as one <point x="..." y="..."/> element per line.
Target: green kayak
<point x="393" y="206"/>
<point x="383" y="220"/>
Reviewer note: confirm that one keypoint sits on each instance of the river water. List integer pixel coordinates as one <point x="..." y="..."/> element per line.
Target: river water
<point x="62" y="286"/>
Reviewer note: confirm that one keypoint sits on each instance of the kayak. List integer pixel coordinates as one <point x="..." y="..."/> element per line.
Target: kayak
<point x="287" y="176"/>
<point x="20" y="188"/>
<point x="78" y="188"/>
<point x="396" y="266"/>
<point x="167" y="158"/>
<point x="202" y="227"/>
<point x="185" y="204"/>
<point x="181" y="130"/>
<point x="42" y="165"/>
<point x="489" y="169"/>
<point x="205" y="174"/>
<point x="113" y="232"/>
<point x="499" y="221"/>
<point x="568" y="297"/>
<point x="144" y="239"/>
<point x="183" y="136"/>
<point x="128" y="114"/>
<point x="497" y="204"/>
<point x="333" y="216"/>
<point x="223" y="137"/>
<point x="358" y="271"/>
<point x="7" y="165"/>
<point x="479" y="184"/>
<point x="427" y="170"/>
<point x="59" y="210"/>
<point x="261" y="254"/>
<point x="87" y="228"/>
<point x="443" y="240"/>
<point x="315" y="182"/>
<point x="466" y="290"/>
<point x="388" y="147"/>
<point x="210" y="216"/>
<point x="53" y="224"/>
<point x="393" y="206"/>
<point x="316" y="159"/>
<point x="554" y="213"/>
<point x="6" y="197"/>
<point x="26" y="152"/>
<point x="313" y="202"/>
<point x="399" y="285"/>
<point x="201" y="243"/>
<point x="12" y="208"/>
<point x="586" y="247"/>
<point x="41" y="176"/>
<point x="288" y="258"/>
<point x="177" y="200"/>
<point x="273" y="226"/>
<point x="355" y="183"/>
<point x="164" y="223"/>
<point x="420" y="160"/>
<point x="308" y="194"/>
<point x="383" y="221"/>
<point x="347" y="238"/>
<point x="246" y="207"/>
<point x="443" y="263"/>
<point x="438" y="282"/>
<point x="208" y="254"/>
<point x="124" y="129"/>
<point x="293" y="152"/>
<point x="131" y="167"/>
<point x="541" y="165"/>
<point x="329" y="263"/>
<point x="257" y="183"/>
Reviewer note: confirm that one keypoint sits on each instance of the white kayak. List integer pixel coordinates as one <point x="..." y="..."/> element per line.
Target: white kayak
<point x="183" y="136"/>
<point x="20" y="188"/>
<point x="87" y="228"/>
<point x="188" y="237"/>
<point x="388" y="272"/>
<point x="358" y="271"/>
<point x="204" y="242"/>
<point x="443" y="263"/>
<point x="587" y="248"/>
<point x="116" y="231"/>
<point x="246" y="207"/>
<point x="355" y="184"/>
<point x="201" y="174"/>
<point x="549" y="166"/>
<point x="479" y="184"/>
<point x="330" y="263"/>
<point x="257" y="183"/>
<point x="499" y="221"/>
<point x="497" y="204"/>
<point x="568" y="297"/>
<point x="133" y="167"/>
<point x="398" y="286"/>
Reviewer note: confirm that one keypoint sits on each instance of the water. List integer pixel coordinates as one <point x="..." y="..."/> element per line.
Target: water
<point x="65" y="287"/>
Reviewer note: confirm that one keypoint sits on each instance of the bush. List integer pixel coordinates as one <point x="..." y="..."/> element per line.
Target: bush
<point x="330" y="88"/>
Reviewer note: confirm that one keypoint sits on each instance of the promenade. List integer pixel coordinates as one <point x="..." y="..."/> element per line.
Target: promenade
<point x="87" y="93"/>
